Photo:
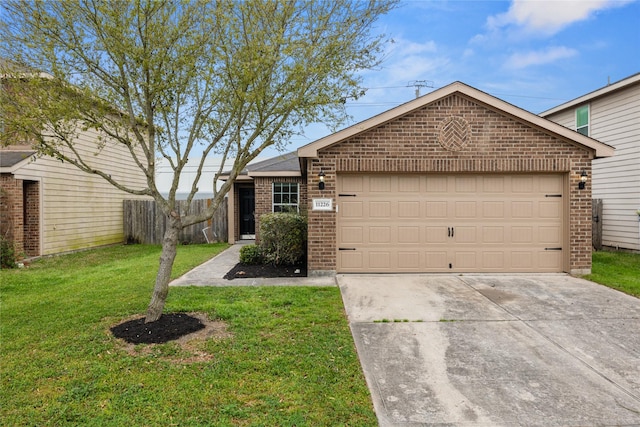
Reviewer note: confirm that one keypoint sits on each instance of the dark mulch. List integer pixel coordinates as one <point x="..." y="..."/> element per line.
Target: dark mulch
<point x="168" y="328"/>
<point x="248" y="271"/>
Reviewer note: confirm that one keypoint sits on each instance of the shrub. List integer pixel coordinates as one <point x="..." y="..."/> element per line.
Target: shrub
<point x="7" y="253"/>
<point x="283" y="237"/>
<point x="251" y="254"/>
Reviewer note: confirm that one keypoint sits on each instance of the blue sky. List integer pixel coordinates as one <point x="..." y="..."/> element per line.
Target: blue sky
<point x="534" y="54"/>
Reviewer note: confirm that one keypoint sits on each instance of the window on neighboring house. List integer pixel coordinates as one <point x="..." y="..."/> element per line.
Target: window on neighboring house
<point x="582" y="120"/>
<point x="285" y="196"/>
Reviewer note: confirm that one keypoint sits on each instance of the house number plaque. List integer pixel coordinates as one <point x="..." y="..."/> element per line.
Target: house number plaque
<point x="322" y="205"/>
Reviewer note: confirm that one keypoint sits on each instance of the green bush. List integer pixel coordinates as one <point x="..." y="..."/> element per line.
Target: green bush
<point x="251" y="254"/>
<point x="7" y="254"/>
<point x="283" y="237"/>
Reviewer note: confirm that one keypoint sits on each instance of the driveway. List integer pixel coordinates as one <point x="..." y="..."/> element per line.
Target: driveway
<point x="477" y="350"/>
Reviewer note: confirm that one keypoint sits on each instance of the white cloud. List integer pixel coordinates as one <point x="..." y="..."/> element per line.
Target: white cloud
<point x="539" y="57"/>
<point x="549" y="16"/>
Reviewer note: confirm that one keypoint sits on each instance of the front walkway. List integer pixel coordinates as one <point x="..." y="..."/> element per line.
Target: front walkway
<point x="212" y="272"/>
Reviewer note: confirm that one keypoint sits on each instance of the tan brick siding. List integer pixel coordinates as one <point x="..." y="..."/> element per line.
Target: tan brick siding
<point x="496" y="143"/>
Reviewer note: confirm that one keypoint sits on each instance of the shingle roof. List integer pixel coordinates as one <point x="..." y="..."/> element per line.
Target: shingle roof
<point x="11" y="158"/>
<point x="287" y="162"/>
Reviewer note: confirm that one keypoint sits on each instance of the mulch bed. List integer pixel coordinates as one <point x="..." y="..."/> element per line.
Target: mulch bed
<point x="168" y="328"/>
<point x="249" y="271"/>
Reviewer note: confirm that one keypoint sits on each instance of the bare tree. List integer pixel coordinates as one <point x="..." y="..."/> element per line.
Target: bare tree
<point x="175" y="79"/>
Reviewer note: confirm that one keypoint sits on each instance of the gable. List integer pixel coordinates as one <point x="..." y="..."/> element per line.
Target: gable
<point x="448" y="100"/>
<point x="459" y="131"/>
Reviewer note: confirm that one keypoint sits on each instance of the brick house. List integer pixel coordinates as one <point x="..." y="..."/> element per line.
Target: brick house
<point x="454" y="181"/>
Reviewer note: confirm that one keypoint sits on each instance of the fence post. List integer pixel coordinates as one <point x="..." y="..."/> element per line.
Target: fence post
<point x="596" y="224"/>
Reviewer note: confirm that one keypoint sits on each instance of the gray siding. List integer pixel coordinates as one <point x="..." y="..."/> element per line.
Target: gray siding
<point x="615" y="120"/>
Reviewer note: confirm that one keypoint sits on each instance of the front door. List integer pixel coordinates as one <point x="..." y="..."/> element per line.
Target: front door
<point x="247" y="209"/>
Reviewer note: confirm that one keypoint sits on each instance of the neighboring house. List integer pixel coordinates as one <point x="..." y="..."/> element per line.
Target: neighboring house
<point x="453" y="181"/>
<point x="49" y="206"/>
<point x="612" y="115"/>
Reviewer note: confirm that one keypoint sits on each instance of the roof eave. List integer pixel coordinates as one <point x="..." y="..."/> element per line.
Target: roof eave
<point x="634" y="79"/>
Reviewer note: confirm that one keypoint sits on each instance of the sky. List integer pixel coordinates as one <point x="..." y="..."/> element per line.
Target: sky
<point x="531" y="53"/>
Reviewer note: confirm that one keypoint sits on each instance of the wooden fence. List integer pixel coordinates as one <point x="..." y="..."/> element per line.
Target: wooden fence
<point x="145" y="223"/>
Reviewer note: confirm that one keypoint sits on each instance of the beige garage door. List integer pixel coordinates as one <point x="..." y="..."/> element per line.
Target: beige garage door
<point x="450" y="223"/>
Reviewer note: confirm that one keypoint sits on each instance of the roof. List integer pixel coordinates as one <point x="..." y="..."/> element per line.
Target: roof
<point x="601" y="150"/>
<point x="287" y="162"/>
<point x="606" y="90"/>
<point x="9" y="159"/>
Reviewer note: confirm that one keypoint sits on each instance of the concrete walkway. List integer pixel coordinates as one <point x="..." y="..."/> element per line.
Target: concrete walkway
<point x="212" y="272"/>
<point x="477" y="350"/>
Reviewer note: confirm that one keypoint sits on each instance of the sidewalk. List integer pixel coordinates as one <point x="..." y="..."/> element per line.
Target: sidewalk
<point x="212" y="272"/>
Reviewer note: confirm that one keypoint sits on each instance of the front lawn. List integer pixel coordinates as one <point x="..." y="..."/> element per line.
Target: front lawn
<point x="287" y="358"/>
<point x="618" y="270"/>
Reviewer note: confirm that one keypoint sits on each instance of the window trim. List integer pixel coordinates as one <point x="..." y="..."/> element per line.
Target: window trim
<point x="584" y="126"/>
<point x="273" y="194"/>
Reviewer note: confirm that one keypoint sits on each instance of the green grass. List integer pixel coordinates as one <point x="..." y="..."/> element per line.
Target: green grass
<point x="290" y="360"/>
<point x="617" y="270"/>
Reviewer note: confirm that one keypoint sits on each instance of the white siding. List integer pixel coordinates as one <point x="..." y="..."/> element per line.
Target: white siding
<point x="80" y="210"/>
<point x="615" y="120"/>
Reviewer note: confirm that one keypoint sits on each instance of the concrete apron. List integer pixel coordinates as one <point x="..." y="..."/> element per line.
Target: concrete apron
<point x="538" y="350"/>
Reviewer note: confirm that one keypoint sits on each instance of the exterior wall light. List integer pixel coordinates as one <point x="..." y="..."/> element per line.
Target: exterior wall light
<point x="583" y="179"/>
<point x="321" y="180"/>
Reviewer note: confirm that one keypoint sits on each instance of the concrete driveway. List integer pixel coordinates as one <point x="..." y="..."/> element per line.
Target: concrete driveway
<point x="477" y="350"/>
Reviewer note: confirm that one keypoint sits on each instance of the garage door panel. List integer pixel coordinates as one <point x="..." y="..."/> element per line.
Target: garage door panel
<point x="409" y="183"/>
<point x="380" y="209"/>
<point x="551" y="209"/>
<point x="465" y="234"/>
<point x="351" y="184"/>
<point x="465" y="260"/>
<point x="409" y="260"/>
<point x="409" y="234"/>
<point x="522" y="209"/>
<point x="436" y="235"/>
<point x="493" y="234"/>
<point x="380" y="184"/>
<point x="351" y="260"/>
<point x="493" y="209"/>
<point x="352" y="234"/>
<point x="549" y="235"/>
<point x="494" y="260"/>
<point x="466" y="209"/>
<point x="380" y="234"/>
<point x="352" y="209"/>
<point x="449" y="223"/>
<point x="409" y="209"/>
<point x="436" y="260"/>
<point x="379" y="260"/>
<point x="437" y="209"/>
<point x="522" y="234"/>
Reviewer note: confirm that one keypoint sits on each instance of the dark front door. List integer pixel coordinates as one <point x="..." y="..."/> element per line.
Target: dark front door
<point x="247" y="209"/>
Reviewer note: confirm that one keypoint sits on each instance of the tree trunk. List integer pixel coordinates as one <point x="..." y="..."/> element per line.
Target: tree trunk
<point x="168" y="256"/>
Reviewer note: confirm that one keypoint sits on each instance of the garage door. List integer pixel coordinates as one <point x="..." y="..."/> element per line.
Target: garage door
<point x="450" y="223"/>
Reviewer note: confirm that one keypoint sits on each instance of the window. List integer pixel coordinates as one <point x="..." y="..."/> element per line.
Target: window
<point x="582" y="120"/>
<point x="285" y="196"/>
